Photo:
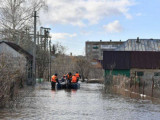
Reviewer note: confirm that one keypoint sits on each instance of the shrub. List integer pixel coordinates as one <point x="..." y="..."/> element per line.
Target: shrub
<point x="12" y="72"/>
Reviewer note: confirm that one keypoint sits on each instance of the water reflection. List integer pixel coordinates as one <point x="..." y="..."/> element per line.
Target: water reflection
<point x="53" y="92"/>
<point x="127" y="93"/>
<point x="73" y="91"/>
<point x="90" y="102"/>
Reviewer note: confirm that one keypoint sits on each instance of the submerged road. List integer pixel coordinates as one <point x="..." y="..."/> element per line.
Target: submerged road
<point x="90" y="102"/>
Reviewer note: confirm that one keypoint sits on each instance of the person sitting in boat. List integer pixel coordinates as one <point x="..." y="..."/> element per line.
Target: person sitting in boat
<point x="78" y="76"/>
<point x="54" y="79"/>
<point x="69" y="77"/>
<point x="74" y="79"/>
<point x="63" y="79"/>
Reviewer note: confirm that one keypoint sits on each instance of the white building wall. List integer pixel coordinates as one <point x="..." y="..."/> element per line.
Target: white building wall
<point x="148" y="73"/>
<point x="4" y="48"/>
<point x="7" y="50"/>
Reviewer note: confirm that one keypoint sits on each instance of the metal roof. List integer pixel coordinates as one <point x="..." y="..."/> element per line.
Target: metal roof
<point x="18" y="49"/>
<point x="131" y="59"/>
<point x="140" y="45"/>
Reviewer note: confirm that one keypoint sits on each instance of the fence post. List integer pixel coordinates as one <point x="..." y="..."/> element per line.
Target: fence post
<point x="152" y="85"/>
<point x="143" y="87"/>
<point x="135" y="81"/>
<point x="130" y="82"/>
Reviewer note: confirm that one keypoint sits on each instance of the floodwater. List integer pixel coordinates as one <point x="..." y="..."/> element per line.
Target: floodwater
<point x="90" y="102"/>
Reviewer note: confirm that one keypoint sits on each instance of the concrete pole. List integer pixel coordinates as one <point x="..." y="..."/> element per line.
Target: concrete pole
<point x="50" y="57"/>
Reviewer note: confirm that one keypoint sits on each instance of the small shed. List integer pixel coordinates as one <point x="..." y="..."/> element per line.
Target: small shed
<point x="17" y="52"/>
<point x="128" y="63"/>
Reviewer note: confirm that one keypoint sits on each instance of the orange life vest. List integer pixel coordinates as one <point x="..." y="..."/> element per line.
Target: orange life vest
<point x="54" y="78"/>
<point x="74" y="79"/>
<point x="77" y="75"/>
<point x="69" y="76"/>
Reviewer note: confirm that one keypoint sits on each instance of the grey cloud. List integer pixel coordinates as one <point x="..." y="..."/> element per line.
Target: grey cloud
<point x="75" y="12"/>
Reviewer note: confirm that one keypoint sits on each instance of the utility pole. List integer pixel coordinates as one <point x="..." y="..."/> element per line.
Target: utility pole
<point x="34" y="49"/>
<point x="45" y="46"/>
<point x="50" y="59"/>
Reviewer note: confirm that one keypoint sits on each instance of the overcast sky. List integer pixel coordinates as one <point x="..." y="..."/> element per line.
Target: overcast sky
<point x="73" y="22"/>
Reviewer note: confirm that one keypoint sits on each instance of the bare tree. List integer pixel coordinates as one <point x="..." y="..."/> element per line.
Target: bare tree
<point x="83" y="65"/>
<point x="58" y="49"/>
<point x="63" y="64"/>
<point x="42" y="61"/>
<point x="16" y="15"/>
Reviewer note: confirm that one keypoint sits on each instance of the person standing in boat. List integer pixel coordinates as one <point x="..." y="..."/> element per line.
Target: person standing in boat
<point x="74" y="79"/>
<point x="74" y="82"/>
<point x="54" y="79"/>
<point x="78" y="76"/>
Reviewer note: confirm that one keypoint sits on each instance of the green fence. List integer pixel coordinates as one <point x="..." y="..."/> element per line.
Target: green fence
<point x="39" y="80"/>
<point x="118" y="72"/>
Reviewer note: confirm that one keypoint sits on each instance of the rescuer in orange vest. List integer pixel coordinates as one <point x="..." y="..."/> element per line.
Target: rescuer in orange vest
<point x="74" y="79"/>
<point x="78" y="76"/>
<point x="54" y="79"/>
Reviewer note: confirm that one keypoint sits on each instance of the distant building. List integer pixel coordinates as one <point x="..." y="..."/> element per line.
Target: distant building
<point x="140" y="45"/>
<point x="17" y="53"/>
<point x="145" y="64"/>
<point x="94" y="49"/>
<point x="96" y="64"/>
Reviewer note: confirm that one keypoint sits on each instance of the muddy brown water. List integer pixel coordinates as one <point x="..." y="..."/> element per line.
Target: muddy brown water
<point x="90" y="102"/>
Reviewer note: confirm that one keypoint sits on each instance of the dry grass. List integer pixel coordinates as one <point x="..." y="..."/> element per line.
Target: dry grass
<point x="144" y="86"/>
<point x="11" y="77"/>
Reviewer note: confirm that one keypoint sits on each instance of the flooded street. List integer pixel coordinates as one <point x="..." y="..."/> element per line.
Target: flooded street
<point x="87" y="103"/>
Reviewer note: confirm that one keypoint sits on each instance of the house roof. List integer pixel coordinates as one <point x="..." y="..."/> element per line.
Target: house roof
<point x="131" y="59"/>
<point x="145" y="60"/>
<point x="140" y="45"/>
<point x="116" y="60"/>
<point x="18" y="49"/>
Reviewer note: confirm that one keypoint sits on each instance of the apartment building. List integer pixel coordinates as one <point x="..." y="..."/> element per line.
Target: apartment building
<point x="94" y="49"/>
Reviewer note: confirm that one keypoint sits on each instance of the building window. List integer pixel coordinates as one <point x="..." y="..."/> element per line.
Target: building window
<point x="95" y="46"/>
<point x="94" y="63"/>
<point x="114" y="45"/>
<point x="94" y="50"/>
<point x="106" y="46"/>
<point x="157" y="74"/>
<point x="139" y="73"/>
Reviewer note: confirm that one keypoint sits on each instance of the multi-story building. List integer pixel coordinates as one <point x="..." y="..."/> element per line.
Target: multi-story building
<point x="94" y="49"/>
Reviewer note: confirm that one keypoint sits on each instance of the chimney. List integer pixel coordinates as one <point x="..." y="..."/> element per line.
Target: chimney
<point x="138" y="41"/>
<point x="70" y="54"/>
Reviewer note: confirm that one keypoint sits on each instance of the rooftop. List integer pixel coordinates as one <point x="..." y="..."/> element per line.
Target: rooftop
<point x="18" y="49"/>
<point x="131" y="59"/>
<point x="140" y="45"/>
